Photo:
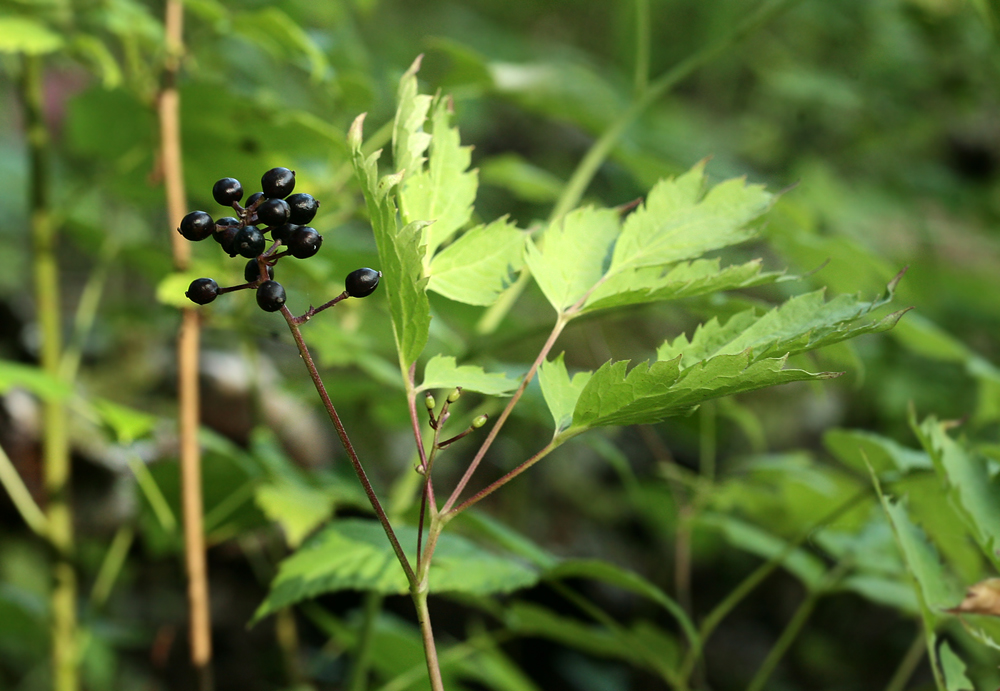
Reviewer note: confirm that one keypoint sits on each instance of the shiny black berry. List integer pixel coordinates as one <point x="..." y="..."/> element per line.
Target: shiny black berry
<point x="304" y="242"/>
<point x="254" y="198"/>
<point x="202" y="291"/>
<point x="227" y="190"/>
<point x="304" y="208"/>
<point x="248" y="242"/>
<point x="197" y="225"/>
<point x="278" y="183"/>
<point x="284" y="232"/>
<point x="361" y="283"/>
<point x="252" y="271"/>
<point x="225" y="233"/>
<point x="270" y="296"/>
<point x="273" y="212"/>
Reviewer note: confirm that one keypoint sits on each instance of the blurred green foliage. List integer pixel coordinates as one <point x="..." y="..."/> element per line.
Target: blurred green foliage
<point x="877" y="119"/>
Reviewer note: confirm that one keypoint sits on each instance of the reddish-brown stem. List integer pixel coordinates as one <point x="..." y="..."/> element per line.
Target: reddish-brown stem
<point x="487" y="491"/>
<point x="556" y="330"/>
<point x="313" y="311"/>
<point x="348" y="446"/>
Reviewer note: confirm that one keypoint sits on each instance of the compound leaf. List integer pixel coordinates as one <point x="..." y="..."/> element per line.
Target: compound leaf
<point x="443" y="191"/>
<point x="477" y="267"/>
<point x="803" y="323"/>
<point x="442" y="372"/>
<point x="409" y="141"/>
<point x="677" y="223"/>
<point x="354" y="554"/>
<point x="574" y="255"/>
<point x="400" y="251"/>
<point x="654" y="283"/>
<point x="561" y="392"/>
<point x="650" y="393"/>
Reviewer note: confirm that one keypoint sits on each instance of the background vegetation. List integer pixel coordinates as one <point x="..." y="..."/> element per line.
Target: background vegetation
<point x="878" y="119"/>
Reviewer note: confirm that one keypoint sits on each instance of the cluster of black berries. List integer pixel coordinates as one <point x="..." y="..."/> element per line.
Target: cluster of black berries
<point x="274" y="210"/>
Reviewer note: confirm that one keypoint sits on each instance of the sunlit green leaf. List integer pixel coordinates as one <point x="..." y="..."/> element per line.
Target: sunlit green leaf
<point x="297" y="507"/>
<point x="561" y="392"/>
<point x="354" y="554"/>
<point x="477" y="267"/>
<point x="441" y="193"/>
<point x="400" y="252"/>
<point x="25" y="35"/>
<point x="574" y="255"/>
<point x="650" y="284"/>
<point x="442" y="372"/>
<point x="677" y="222"/>
<point x="409" y="141"/>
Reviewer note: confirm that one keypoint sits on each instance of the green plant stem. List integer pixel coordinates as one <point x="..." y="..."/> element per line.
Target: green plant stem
<point x="654" y="661"/>
<point x="19" y="494"/>
<point x="358" y="680"/>
<point x="707" y="445"/>
<point x="756" y="577"/>
<point x="348" y="446"/>
<point x="605" y="144"/>
<point x="794" y="627"/>
<point x="908" y="665"/>
<point x="111" y="566"/>
<point x="556" y="330"/>
<point x="56" y="453"/>
<point x="427" y="634"/>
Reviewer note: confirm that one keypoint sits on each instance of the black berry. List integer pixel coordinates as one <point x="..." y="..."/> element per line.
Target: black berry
<point x="361" y="283"/>
<point x="270" y="296"/>
<point x="304" y="242"/>
<point x="273" y="212"/>
<point x="278" y="183"/>
<point x="303" y="208"/>
<point x="227" y="190"/>
<point x="248" y="242"/>
<point x="202" y="291"/>
<point x="225" y="234"/>
<point x="252" y="271"/>
<point x="254" y="198"/>
<point x="284" y="232"/>
<point x="197" y="225"/>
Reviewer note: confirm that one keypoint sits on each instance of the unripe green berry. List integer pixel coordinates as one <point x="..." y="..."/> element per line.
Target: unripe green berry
<point x="480" y="421"/>
<point x="454" y="395"/>
<point x="429" y="402"/>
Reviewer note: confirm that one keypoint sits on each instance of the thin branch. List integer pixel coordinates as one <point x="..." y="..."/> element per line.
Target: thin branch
<point x="556" y="330"/>
<point x="19" y="494"/>
<point x="493" y="487"/>
<point x="348" y="446"/>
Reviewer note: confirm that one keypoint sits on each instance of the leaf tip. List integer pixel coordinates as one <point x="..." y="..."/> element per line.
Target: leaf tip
<point x="354" y="134"/>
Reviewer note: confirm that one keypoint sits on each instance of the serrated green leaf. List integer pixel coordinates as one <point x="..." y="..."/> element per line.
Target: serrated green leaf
<point x="803" y="323"/>
<point x="24" y="35"/>
<point x="574" y="256"/>
<point x="650" y="393"/>
<point x="354" y="554"/>
<point x="442" y="192"/>
<point x="561" y="393"/>
<point x="953" y="669"/>
<point x="442" y="372"/>
<point x="654" y="283"/>
<point x="298" y="508"/>
<point x="676" y="223"/>
<point x="972" y="491"/>
<point x="409" y="141"/>
<point x="478" y="266"/>
<point x="400" y="252"/>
